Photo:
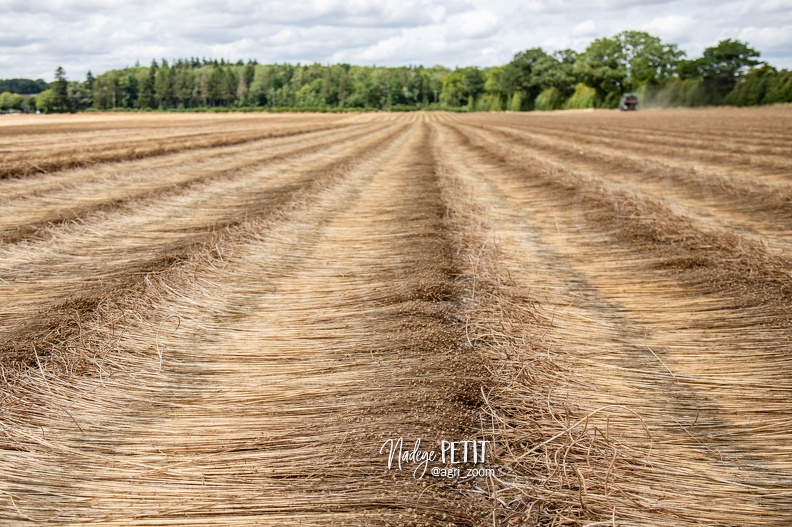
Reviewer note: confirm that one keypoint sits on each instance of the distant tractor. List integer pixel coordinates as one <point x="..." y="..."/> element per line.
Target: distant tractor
<point x="628" y="102"/>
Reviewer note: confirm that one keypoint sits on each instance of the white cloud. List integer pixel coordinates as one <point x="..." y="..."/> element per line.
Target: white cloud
<point x="671" y="28"/>
<point x="575" y="6"/>
<point x="38" y="35"/>
<point x="767" y="37"/>
<point x="776" y="6"/>
<point x="585" y="29"/>
<point x="472" y="24"/>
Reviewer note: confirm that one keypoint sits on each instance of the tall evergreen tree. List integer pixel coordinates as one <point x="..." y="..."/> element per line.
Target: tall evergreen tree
<point x="60" y="90"/>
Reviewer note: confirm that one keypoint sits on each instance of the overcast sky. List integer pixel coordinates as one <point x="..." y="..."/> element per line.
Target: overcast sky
<point x="38" y="35"/>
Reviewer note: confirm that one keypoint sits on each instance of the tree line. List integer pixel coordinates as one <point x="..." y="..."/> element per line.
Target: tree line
<point x="631" y="61"/>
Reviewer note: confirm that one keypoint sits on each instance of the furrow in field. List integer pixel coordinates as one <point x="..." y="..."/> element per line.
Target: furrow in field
<point x="24" y="162"/>
<point x="643" y="145"/>
<point x="71" y="195"/>
<point x="228" y="335"/>
<point x="742" y="265"/>
<point x="717" y="158"/>
<point x="39" y="140"/>
<point x="51" y="280"/>
<point x="260" y="384"/>
<point x="689" y="145"/>
<point x="651" y="395"/>
<point x="736" y="129"/>
<point x="101" y="125"/>
<point x="663" y="129"/>
<point x="759" y="211"/>
<point x="713" y="156"/>
<point x="35" y="184"/>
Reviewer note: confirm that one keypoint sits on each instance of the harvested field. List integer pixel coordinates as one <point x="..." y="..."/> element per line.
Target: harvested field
<point x="223" y="319"/>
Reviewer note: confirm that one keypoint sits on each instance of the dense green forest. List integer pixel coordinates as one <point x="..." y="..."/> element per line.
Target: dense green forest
<point x="23" y="86"/>
<point x="632" y="61"/>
